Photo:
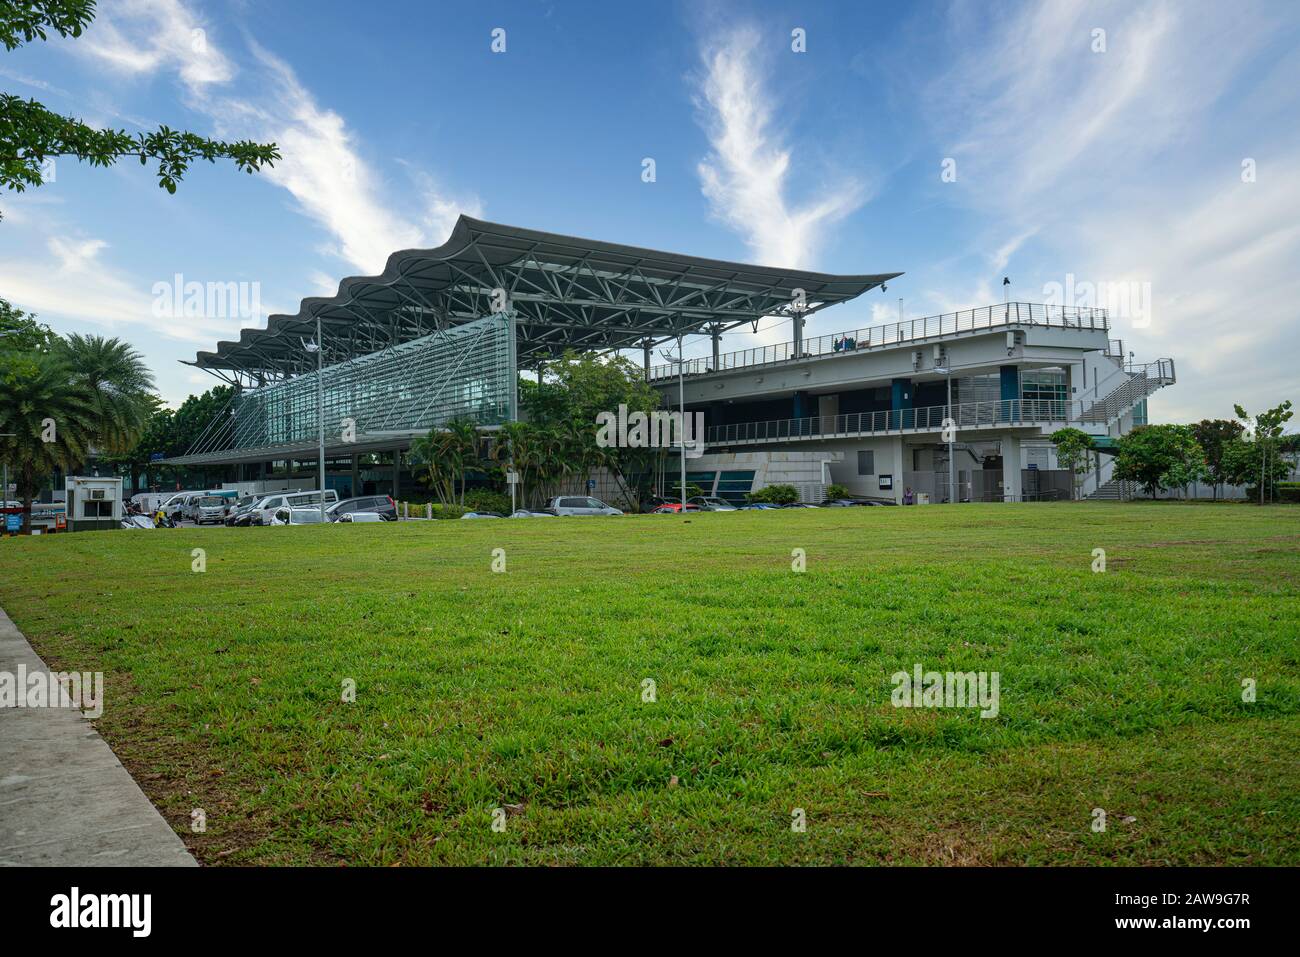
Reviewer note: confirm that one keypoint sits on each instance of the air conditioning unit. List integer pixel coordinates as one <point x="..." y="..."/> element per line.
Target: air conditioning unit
<point x="940" y="354"/>
<point x="97" y="494"/>
<point x="918" y="357"/>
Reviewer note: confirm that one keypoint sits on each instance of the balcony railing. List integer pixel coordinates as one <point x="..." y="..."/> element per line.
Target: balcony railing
<point x="1006" y="412"/>
<point x="912" y="330"/>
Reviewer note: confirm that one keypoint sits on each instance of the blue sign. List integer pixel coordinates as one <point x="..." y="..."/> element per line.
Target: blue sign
<point x="591" y="485"/>
<point x="13" y="523"/>
<point x="156" y="456"/>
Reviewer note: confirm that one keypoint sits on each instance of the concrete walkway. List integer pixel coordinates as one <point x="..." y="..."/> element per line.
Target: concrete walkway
<point x="65" y="799"/>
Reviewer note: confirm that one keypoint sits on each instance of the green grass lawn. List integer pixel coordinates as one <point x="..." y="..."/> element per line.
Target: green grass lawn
<point x="523" y="690"/>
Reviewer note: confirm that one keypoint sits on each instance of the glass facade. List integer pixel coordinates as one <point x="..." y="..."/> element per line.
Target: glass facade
<point x="464" y="372"/>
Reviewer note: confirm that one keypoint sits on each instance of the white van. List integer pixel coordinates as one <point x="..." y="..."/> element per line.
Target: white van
<point x="264" y="511"/>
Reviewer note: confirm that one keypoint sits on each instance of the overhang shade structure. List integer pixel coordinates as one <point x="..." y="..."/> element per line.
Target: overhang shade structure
<point x="566" y="293"/>
<point x="391" y="341"/>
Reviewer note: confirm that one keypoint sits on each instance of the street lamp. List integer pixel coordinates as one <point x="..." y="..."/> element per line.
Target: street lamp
<point x="681" y="408"/>
<point x="316" y="347"/>
<point x="952" y="435"/>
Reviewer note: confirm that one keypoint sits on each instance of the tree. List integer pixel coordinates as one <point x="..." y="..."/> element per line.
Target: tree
<point x="1158" y="457"/>
<point x="119" y="384"/>
<point x="30" y="134"/>
<point x="1267" y="433"/>
<point x="46" y="421"/>
<point x="564" y="407"/>
<point x="20" y="332"/>
<point x="1245" y="462"/>
<point x="1213" y="436"/>
<point x="1072" y="448"/>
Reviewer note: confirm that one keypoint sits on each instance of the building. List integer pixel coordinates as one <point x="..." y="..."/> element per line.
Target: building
<point x="443" y="333"/>
<point x="867" y="408"/>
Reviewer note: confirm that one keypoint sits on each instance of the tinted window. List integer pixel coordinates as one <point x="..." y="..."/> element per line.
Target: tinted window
<point x="592" y="503"/>
<point x="573" y="503"/>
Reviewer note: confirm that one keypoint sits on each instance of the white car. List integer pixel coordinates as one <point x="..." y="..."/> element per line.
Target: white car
<point x="564" y="505"/>
<point x="296" y="516"/>
<point x="528" y="513"/>
<point x="357" y="517"/>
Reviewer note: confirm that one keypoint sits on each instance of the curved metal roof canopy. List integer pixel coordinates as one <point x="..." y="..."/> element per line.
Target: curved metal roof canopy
<point x="567" y="293"/>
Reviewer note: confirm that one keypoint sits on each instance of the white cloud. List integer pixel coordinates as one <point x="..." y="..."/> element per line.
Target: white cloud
<point x="1114" y="165"/>
<point x="141" y="37"/>
<point x="745" y="177"/>
<point x="323" y="165"/>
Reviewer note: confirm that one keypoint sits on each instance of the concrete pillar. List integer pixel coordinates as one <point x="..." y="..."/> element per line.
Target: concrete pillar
<point x="645" y="348"/>
<point x="717" y="342"/>
<point x="798" y="333"/>
<point x="894" y="456"/>
<point x="356" y="477"/>
<point x="397" y="474"/>
<point x="1011" y="468"/>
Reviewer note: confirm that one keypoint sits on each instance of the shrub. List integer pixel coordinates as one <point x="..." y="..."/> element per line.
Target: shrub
<point x="449" y="511"/>
<point x="837" y="491"/>
<point x="776" y="494"/>
<point x="486" y="500"/>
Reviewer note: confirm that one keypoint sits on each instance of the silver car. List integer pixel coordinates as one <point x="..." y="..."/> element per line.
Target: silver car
<point x="581" y="505"/>
<point x="711" y="503"/>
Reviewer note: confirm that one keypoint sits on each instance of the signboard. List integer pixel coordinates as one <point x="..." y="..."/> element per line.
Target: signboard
<point x="886" y="481"/>
<point x="13" y="523"/>
<point x="512" y="478"/>
<point x="156" y="456"/>
<point x="591" y="485"/>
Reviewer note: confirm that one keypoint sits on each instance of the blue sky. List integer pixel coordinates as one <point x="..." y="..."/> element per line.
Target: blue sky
<point x="1144" y="156"/>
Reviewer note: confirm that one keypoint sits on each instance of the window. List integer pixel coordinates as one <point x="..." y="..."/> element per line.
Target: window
<point x="93" y="508"/>
<point x="592" y="503"/>
<point x="573" y="503"/>
<point x="866" y="462"/>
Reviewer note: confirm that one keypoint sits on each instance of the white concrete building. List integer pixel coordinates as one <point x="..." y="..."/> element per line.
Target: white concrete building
<point x="867" y="409"/>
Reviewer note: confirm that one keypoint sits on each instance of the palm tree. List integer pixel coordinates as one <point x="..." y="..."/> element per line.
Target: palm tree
<point x="47" y="421"/>
<point x="463" y="448"/>
<point x="432" y="452"/>
<point x="119" y="385"/>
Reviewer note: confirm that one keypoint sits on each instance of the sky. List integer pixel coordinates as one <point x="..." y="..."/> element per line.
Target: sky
<point x="1140" y="156"/>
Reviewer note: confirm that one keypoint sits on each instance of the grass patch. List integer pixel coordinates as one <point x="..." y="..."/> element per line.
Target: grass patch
<point x="523" y="690"/>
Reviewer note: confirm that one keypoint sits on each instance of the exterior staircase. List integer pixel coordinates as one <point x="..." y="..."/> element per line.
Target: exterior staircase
<point x="1112" y="491"/>
<point x="1139" y="382"/>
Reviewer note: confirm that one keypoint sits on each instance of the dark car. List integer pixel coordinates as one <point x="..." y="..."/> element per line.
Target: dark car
<point x="384" y="506"/>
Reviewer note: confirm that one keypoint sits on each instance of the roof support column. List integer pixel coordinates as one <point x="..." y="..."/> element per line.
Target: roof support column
<point x="645" y="348"/>
<point x="798" y="333"/>
<point x="716" y="333"/>
<point x="1011" y="469"/>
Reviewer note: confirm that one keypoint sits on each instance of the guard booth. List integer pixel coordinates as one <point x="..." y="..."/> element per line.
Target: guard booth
<point x="93" y="503"/>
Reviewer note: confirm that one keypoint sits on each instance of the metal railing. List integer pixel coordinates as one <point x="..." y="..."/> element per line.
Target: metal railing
<point x="912" y="330"/>
<point x="1006" y="412"/>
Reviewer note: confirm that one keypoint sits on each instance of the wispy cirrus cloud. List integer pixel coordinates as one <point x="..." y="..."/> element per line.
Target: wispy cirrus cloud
<point x="746" y="176"/>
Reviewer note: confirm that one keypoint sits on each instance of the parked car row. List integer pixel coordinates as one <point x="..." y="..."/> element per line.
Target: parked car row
<point x="290" y="508"/>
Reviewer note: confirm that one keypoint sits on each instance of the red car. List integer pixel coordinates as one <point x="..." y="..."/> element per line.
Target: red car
<point x="672" y="508"/>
